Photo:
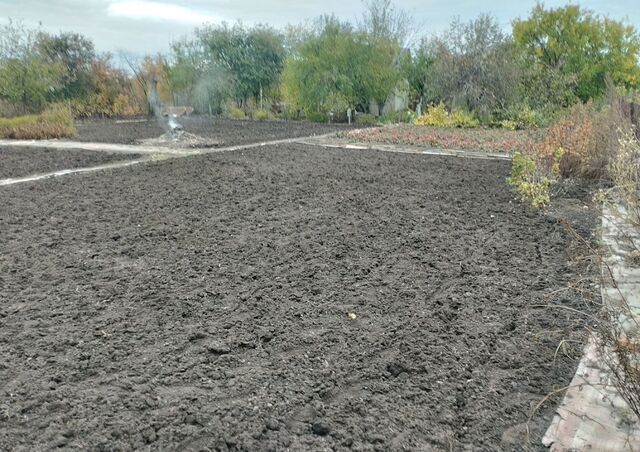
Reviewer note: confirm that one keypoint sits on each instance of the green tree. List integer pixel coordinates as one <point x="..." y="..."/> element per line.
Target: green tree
<point x="196" y="80"/>
<point x="414" y="65"/>
<point x="185" y="64"/>
<point x="75" y="53"/>
<point x="319" y="75"/>
<point x="253" y="57"/>
<point x="338" y="67"/>
<point x="27" y="80"/>
<point x="570" y="48"/>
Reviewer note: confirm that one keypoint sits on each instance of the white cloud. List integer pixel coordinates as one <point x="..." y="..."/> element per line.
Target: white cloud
<point x="147" y="10"/>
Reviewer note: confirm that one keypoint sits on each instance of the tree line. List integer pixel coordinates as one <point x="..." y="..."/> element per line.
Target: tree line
<point x="549" y="60"/>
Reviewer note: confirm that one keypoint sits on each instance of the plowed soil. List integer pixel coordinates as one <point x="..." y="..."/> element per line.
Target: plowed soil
<point x="20" y="162"/>
<point x="286" y="298"/>
<point x="224" y="131"/>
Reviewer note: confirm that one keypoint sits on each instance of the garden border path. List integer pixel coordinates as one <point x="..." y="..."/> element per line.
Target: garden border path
<point x="159" y="152"/>
<point x="593" y="415"/>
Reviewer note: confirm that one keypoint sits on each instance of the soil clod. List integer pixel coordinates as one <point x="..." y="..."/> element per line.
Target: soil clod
<point x="320" y="428"/>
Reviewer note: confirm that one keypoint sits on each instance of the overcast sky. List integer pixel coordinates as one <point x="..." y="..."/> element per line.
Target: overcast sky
<point x="148" y="26"/>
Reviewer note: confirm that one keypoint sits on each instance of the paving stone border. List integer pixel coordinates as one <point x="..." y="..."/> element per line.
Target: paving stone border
<point x="593" y="415"/>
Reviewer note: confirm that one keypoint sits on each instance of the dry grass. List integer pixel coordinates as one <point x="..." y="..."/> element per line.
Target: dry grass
<point x="55" y="122"/>
<point x="622" y="352"/>
<point x="589" y="138"/>
<point x="624" y="169"/>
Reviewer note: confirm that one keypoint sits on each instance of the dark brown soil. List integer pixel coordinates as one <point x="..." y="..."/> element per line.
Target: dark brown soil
<point x="20" y="162"/>
<point x="225" y="131"/>
<point x="204" y="303"/>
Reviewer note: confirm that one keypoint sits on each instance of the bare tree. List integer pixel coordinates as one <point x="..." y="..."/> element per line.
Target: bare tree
<point x="474" y="67"/>
<point x="383" y="20"/>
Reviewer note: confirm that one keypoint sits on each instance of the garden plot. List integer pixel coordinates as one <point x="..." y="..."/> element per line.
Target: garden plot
<point x="21" y="161"/>
<point x="224" y="132"/>
<point x="284" y="297"/>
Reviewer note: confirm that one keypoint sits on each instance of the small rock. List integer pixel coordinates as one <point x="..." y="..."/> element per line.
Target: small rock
<point x="395" y="368"/>
<point x="60" y="441"/>
<point x="320" y="428"/>
<point x="197" y="335"/>
<point x="267" y="337"/>
<point x="217" y="347"/>
<point x="272" y="424"/>
<point x="149" y="435"/>
<point x="191" y="419"/>
<point x="348" y="442"/>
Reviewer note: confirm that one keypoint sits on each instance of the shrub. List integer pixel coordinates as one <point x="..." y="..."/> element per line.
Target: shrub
<point x="125" y="105"/>
<point x="316" y="116"/>
<point x="261" y="115"/>
<point x="236" y="113"/>
<point x="397" y="117"/>
<point x="523" y="118"/>
<point x="122" y="105"/>
<point x="589" y="137"/>
<point x="438" y="116"/>
<point x="366" y="120"/>
<point x="459" y="118"/>
<point x="473" y="65"/>
<point x="625" y="173"/>
<point x="290" y="114"/>
<point x="532" y="179"/>
<point x="55" y="122"/>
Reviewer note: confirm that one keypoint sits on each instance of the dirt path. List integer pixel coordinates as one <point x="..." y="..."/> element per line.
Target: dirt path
<point x="20" y="162"/>
<point x="226" y="131"/>
<point x="93" y="147"/>
<point x="334" y="142"/>
<point x="291" y="297"/>
<point x="21" y="159"/>
<point x="66" y="172"/>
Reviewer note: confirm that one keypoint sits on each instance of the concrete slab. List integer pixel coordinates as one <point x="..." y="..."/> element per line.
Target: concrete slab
<point x="593" y="416"/>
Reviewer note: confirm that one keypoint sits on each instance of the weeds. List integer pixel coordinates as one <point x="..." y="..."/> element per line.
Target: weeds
<point x="601" y="143"/>
<point x="261" y="115"/>
<point x="398" y="117"/>
<point x="531" y="180"/>
<point x="438" y="116"/>
<point x="625" y="173"/>
<point x="366" y="120"/>
<point x="523" y="118"/>
<point x="313" y="116"/>
<point x="618" y="351"/>
<point x="236" y="113"/>
<point x="620" y="346"/>
<point x="55" y="122"/>
<point x="590" y="137"/>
